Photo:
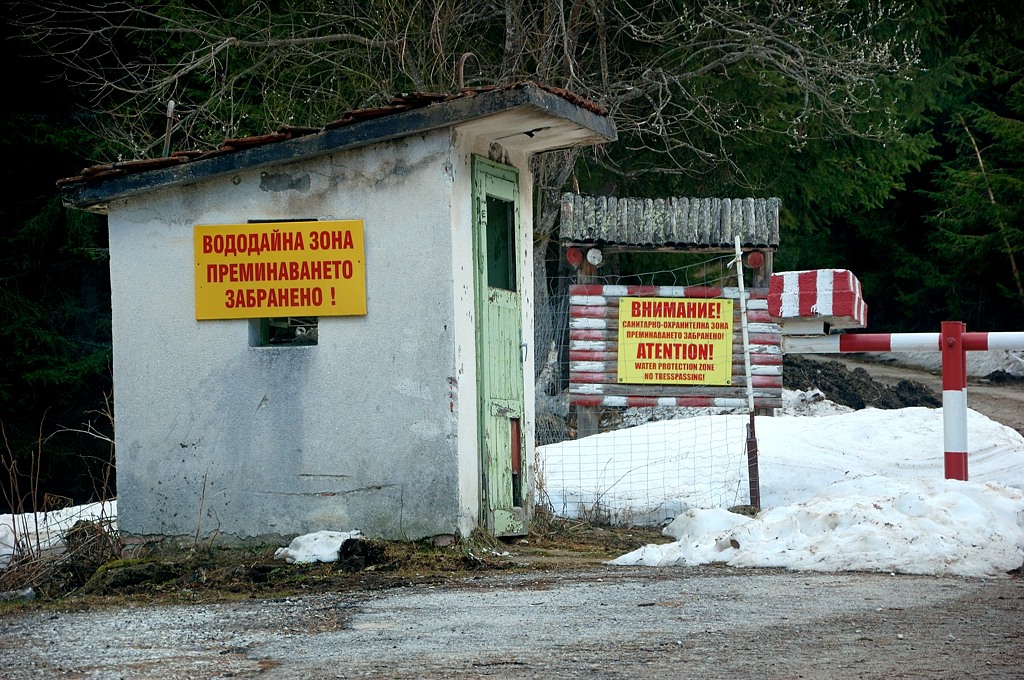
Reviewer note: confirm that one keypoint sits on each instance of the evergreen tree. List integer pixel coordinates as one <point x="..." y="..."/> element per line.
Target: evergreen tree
<point x="54" y="297"/>
<point x="979" y="216"/>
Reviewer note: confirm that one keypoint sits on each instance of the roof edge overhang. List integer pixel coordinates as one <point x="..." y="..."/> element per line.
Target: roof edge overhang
<point x="590" y="127"/>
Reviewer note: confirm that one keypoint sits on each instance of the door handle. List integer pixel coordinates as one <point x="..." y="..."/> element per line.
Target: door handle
<point x="523" y="351"/>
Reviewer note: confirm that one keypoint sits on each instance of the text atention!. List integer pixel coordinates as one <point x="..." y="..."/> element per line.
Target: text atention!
<point x="684" y="341"/>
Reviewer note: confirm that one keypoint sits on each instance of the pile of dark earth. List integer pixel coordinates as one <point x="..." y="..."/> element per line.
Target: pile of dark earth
<point x="1004" y="378"/>
<point x="856" y="388"/>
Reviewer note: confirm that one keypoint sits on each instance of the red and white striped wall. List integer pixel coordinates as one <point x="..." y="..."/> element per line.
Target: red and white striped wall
<point x="829" y="296"/>
<point x="593" y="352"/>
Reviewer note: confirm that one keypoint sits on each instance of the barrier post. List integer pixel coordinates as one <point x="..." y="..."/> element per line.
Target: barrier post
<point x="954" y="398"/>
<point x="752" y="465"/>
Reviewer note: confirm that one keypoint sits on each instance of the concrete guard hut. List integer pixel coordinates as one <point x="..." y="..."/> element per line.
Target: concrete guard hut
<point x="327" y="329"/>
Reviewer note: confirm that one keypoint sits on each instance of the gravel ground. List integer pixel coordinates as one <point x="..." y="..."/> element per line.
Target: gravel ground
<point x="706" y="622"/>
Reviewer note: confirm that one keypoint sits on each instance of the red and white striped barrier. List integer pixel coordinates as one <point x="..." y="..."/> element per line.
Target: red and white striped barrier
<point x="953" y="341"/>
<point x="898" y="342"/>
<point x="821" y="296"/>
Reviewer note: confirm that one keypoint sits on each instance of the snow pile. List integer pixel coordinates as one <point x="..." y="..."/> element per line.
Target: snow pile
<point x="868" y="523"/>
<point x="320" y="546"/>
<point x="842" y="490"/>
<point x="31" y="532"/>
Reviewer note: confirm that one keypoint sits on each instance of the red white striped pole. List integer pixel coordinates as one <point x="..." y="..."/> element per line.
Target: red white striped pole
<point x="954" y="398"/>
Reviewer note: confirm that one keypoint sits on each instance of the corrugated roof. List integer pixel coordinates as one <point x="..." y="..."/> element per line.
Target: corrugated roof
<point x="100" y="182"/>
<point x="681" y="223"/>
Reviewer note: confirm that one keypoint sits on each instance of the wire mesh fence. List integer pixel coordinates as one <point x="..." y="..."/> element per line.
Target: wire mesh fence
<point x="656" y="450"/>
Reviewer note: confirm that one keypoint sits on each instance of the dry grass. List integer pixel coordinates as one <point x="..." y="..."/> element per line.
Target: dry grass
<point x="54" y="565"/>
<point x="91" y="574"/>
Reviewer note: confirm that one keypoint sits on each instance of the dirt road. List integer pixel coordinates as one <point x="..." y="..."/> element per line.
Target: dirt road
<point x="710" y="622"/>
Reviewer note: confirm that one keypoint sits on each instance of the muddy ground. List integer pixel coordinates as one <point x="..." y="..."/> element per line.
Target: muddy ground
<point x="546" y="606"/>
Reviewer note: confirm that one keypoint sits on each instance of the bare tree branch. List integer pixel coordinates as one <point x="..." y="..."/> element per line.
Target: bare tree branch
<point x="658" y="67"/>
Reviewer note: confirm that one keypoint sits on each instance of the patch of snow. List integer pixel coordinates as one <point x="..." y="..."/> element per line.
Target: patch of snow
<point x="31" y="532"/>
<point x="320" y="546"/>
<point x="864" y="524"/>
<point x="842" y="490"/>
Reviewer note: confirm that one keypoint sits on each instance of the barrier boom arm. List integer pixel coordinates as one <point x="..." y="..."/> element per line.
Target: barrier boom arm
<point x="897" y="342"/>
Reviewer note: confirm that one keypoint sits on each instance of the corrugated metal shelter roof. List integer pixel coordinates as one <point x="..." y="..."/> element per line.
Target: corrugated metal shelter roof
<point x="548" y="118"/>
<point x="670" y="223"/>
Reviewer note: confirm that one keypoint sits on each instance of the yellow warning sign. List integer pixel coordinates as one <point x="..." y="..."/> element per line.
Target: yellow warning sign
<point x="280" y="269"/>
<point x="681" y="341"/>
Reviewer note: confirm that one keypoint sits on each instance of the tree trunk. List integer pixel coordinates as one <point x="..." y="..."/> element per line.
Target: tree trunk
<point x="551" y="172"/>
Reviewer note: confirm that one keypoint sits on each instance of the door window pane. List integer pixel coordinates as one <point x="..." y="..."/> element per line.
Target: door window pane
<point x="501" y="265"/>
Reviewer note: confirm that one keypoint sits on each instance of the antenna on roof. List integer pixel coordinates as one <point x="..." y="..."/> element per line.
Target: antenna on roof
<point x="461" y="68"/>
<point x="167" y="131"/>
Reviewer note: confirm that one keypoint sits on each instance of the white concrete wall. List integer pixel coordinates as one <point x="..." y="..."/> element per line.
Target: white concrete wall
<point x="465" y="394"/>
<point x="360" y="431"/>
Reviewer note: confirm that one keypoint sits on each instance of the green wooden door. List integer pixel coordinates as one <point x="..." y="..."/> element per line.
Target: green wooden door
<point x="500" y="347"/>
